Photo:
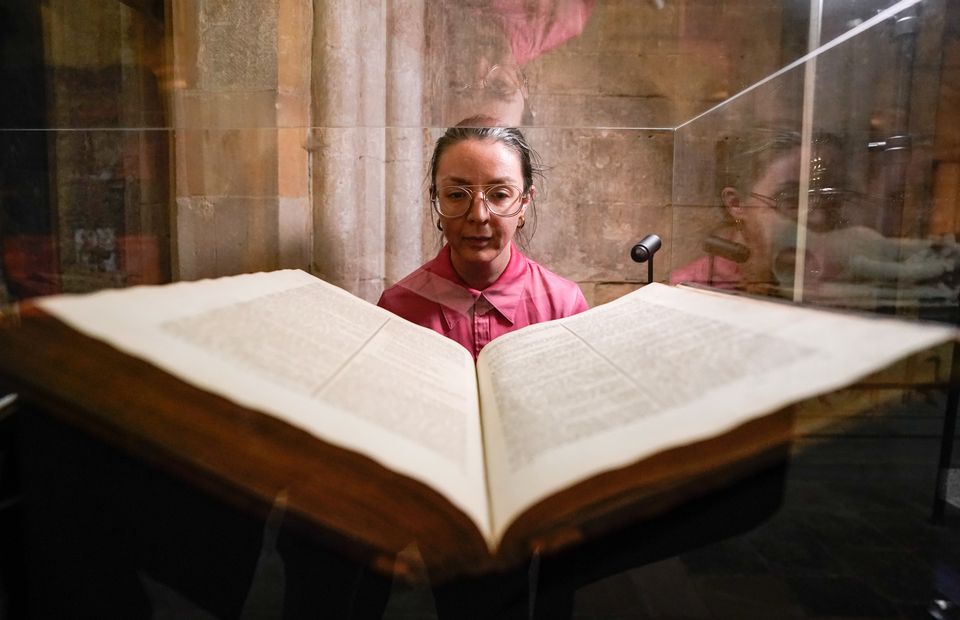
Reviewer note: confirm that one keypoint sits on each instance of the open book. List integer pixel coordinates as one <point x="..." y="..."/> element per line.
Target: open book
<point x="390" y="435"/>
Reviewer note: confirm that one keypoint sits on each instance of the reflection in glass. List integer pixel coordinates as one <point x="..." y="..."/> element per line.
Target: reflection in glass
<point x="484" y="47"/>
<point x="501" y="82"/>
<point x="755" y="247"/>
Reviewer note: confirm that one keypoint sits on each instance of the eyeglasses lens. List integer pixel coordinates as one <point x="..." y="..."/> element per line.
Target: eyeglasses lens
<point x="501" y="82"/>
<point x="455" y="200"/>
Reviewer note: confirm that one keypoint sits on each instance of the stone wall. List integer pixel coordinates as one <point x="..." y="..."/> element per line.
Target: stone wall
<point x="240" y="113"/>
<point x="298" y="131"/>
<point x="301" y="129"/>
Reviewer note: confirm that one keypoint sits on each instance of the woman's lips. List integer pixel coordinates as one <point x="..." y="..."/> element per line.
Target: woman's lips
<point x="477" y="242"/>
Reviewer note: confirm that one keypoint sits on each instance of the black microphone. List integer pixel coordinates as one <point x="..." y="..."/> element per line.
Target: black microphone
<point x="643" y="252"/>
<point x="645" y="249"/>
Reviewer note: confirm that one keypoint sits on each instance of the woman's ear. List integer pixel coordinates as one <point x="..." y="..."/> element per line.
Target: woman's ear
<point x="730" y="198"/>
<point x="528" y="198"/>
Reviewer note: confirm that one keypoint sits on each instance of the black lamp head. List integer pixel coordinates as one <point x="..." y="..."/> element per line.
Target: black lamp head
<point x="645" y="248"/>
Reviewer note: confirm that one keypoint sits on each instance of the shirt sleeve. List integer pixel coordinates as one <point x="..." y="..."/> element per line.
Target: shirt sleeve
<point x="580" y="303"/>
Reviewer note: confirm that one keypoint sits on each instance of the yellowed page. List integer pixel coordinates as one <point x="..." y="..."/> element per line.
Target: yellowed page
<point x="307" y="352"/>
<point x="659" y="368"/>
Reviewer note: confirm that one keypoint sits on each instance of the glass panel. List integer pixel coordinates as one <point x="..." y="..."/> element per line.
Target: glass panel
<point x="841" y="17"/>
<point x="86" y="162"/>
<point x="871" y="237"/>
<point x="151" y="141"/>
<point x="723" y="235"/>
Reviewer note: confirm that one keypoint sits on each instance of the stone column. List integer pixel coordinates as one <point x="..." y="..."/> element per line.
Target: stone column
<point x="349" y="98"/>
<point x="406" y="202"/>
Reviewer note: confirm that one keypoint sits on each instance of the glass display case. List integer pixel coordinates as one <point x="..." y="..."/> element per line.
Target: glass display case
<point x="819" y="183"/>
<point x="804" y="151"/>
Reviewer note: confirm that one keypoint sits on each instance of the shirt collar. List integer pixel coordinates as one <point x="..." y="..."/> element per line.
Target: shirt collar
<point x="456" y="298"/>
<point x="439" y="283"/>
<point x="507" y="291"/>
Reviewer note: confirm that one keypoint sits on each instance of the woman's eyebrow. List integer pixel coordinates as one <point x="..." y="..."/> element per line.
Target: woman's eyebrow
<point x="496" y="181"/>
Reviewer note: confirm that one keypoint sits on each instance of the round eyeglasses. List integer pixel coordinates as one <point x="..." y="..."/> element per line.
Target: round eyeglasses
<point x="501" y="200"/>
<point x="829" y="203"/>
<point x="501" y="81"/>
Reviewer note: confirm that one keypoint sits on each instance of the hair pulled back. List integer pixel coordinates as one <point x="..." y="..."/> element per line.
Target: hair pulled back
<point x="489" y="129"/>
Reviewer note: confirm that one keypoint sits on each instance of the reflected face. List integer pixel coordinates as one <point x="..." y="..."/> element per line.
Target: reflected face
<point x="480" y="240"/>
<point x="778" y="189"/>
<point x="769" y="215"/>
<point x="760" y="219"/>
<point x="483" y="88"/>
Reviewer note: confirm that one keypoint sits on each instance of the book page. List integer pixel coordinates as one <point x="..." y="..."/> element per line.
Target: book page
<point x="659" y="368"/>
<point x="295" y="347"/>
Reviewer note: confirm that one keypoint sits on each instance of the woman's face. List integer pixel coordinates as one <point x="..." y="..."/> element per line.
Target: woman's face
<point x="761" y="221"/>
<point x="479" y="239"/>
<point x="486" y="89"/>
<point x="478" y="76"/>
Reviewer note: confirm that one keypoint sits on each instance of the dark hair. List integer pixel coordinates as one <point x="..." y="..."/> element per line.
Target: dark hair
<point x="488" y="128"/>
<point x="742" y="159"/>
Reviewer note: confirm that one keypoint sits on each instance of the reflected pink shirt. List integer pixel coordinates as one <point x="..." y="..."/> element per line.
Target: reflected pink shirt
<point x="435" y="296"/>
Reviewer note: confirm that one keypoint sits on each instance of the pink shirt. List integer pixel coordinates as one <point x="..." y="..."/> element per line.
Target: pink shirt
<point x="715" y="271"/>
<point x="537" y="26"/>
<point x="525" y="293"/>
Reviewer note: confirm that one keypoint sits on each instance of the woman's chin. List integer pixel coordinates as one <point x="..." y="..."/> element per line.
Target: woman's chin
<point x="478" y="253"/>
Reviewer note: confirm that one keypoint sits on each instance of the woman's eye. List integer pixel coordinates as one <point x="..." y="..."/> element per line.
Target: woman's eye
<point x="456" y="195"/>
<point x="501" y="193"/>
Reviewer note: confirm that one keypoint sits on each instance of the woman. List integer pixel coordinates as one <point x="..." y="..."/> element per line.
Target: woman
<point x="755" y="242"/>
<point x="480" y="285"/>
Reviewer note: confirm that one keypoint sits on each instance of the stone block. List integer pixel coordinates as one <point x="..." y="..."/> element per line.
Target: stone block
<point x="602" y="111"/>
<point x="293" y="108"/>
<point x="628" y="26"/>
<point x="225" y="235"/>
<point x="197" y="109"/>
<point x="294" y="47"/>
<point x="293" y="163"/>
<point x="240" y="162"/>
<point x="570" y="74"/>
<point x="590" y="166"/>
<point x="694" y="167"/>
<point x="633" y="74"/>
<point x="295" y="233"/>
<point x="238" y="45"/>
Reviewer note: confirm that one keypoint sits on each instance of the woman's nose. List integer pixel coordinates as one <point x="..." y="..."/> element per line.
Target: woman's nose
<point x="478" y="211"/>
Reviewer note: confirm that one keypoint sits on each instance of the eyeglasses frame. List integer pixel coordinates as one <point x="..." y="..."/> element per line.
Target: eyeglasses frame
<point x="435" y="199"/>
<point x="774" y="201"/>
<point x="481" y="84"/>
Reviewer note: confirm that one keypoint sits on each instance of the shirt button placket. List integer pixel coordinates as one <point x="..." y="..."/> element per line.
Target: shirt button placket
<point x="481" y="325"/>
